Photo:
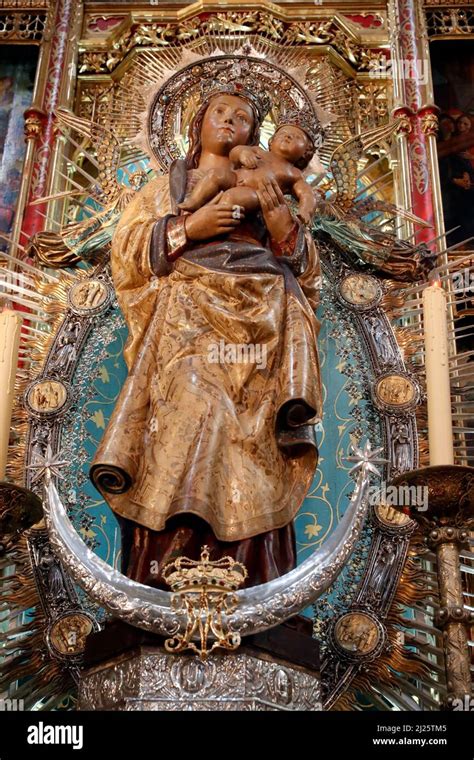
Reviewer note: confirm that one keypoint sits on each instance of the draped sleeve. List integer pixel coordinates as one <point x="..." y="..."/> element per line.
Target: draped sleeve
<point x="300" y="253"/>
<point x="310" y="278"/>
<point x="136" y="283"/>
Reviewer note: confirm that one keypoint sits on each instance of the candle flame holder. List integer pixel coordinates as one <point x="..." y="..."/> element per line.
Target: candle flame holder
<point x="20" y="509"/>
<point x="446" y="520"/>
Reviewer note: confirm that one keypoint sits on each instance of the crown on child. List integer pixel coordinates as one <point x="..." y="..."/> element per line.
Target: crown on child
<point x="305" y="121"/>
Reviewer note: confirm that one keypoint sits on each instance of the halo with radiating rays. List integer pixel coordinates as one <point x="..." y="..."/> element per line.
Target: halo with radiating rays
<point x="322" y="87"/>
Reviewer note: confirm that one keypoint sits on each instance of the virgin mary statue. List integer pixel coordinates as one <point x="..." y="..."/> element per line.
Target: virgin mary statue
<point x="212" y="437"/>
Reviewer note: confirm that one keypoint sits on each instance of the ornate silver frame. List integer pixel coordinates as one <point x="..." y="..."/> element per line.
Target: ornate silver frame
<point x="263" y="606"/>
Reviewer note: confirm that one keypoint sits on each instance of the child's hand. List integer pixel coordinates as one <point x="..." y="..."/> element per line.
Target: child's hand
<point x="248" y="158"/>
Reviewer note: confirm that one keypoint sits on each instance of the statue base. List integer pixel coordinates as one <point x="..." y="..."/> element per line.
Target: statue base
<point x="258" y="676"/>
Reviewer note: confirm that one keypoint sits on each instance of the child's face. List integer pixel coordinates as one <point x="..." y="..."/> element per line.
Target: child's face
<point x="290" y="142"/>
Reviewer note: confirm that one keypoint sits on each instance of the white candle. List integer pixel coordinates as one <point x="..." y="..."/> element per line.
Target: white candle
<point x="10" y="324"/>
<point x="438" y="391"/>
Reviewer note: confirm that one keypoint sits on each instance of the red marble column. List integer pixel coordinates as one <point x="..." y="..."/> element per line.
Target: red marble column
<point x="415" y="106"/>
<point x="39" y="119"/>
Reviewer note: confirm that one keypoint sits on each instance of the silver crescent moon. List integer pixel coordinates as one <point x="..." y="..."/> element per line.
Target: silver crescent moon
<point x="259" y="607"/>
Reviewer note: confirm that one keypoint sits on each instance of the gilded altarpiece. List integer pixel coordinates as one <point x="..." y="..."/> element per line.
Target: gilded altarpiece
<point x="372" y="373"/>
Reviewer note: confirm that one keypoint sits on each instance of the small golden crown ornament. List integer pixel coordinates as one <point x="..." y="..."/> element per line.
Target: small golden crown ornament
<point x="185" y="575"/>
<point x="204" y="591"/>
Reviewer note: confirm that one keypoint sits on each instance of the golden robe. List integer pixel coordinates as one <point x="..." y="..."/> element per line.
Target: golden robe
<point x="229" y="442"/>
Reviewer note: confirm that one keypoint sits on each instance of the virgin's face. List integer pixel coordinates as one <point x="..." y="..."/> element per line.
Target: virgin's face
<point x="228" y="122"/>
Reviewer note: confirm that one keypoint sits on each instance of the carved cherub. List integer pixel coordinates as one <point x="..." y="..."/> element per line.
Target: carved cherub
<point x="290" y="151"/>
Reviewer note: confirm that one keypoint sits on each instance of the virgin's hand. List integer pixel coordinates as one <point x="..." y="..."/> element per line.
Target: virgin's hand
<point x="213" y="220"/>
<point x="276" y="213"/>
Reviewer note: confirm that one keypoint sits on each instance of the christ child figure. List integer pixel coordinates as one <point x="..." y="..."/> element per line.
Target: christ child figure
<point x="290" y="151"/>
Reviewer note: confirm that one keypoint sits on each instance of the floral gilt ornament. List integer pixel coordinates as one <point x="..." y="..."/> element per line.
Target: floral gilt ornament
<point x="204" y="590"/>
